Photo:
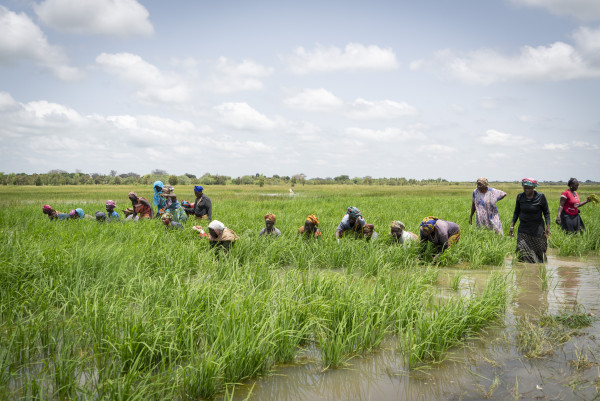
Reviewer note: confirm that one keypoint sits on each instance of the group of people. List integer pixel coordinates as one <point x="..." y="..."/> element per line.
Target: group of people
<point x="531" y="209"/>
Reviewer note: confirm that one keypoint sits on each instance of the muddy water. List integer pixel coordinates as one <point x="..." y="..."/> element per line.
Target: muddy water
<point x="488" y="368"/>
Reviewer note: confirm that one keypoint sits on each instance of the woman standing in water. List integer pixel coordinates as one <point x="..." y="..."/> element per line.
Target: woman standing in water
<point x="484" y="203"/>
<point x="568" y="210"/>
<point x="531" y="208"/>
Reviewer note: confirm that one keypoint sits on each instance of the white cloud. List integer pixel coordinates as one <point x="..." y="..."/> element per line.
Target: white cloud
<point x="234" y="77"/>
<point x="354" y="56"/>
<point x="587" y="42"/>
<point x="153" y="84"/>
<point x="525" y="118"/>
<point x="555" y="146"/>
<point x="21" y="39"/>
<point x="315" y="100"/>
<point x="585" y="145"/>
<point x="493" y="137"/>
<point x="556" y="62"/>
<point x="581" y="9"/>
<point x="498" y="155"/>
<point x="99" y="17"/>
<point x="241" y="116"/>
<point x="362" y="109"/>
<point x="437" y="149"/>
<point x="386" y="135"/>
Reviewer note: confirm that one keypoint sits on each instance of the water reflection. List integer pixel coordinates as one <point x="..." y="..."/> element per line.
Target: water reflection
<point x="490" y="367"/>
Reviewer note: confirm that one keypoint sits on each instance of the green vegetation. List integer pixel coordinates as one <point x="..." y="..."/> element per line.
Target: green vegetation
<point x="131" y="311"/>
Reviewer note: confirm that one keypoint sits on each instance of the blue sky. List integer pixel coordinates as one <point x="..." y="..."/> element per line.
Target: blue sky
<point x="500" y="88"/>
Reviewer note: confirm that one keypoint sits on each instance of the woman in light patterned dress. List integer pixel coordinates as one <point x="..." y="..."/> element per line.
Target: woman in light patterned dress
<point x="484" y="203"/>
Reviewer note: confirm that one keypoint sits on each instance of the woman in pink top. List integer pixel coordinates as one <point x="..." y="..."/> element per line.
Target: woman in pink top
<point x="568" y="210"/>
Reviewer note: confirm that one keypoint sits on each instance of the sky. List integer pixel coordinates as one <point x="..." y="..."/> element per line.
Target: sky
<point x="461" y="89"/>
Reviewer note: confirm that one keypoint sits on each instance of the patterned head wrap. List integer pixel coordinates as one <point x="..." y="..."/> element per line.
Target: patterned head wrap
<point x="132" y="195"/>
<point x="72" y="213"/>
<point x="198" y="188"/>
<point x="313" y="219"/>
<point x="429" y="222"/>
<point x="270" y="216"/>
<point x="47" y="208"/>
<point x="157" y="193"/>
<point x="217" y="225"/>
<point x="353" y="212"/>
<point x="398" y="224"/>
<point x="167" y="216"/>
<point x="482" y="181"/>
<point x="110" y="203"/>
<point x="529" y="182"/>
<point x="79" y="211"/>
<point x="369" y="228"/>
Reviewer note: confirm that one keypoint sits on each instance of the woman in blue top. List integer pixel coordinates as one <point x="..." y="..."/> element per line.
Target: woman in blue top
<point x="159" y="201"/>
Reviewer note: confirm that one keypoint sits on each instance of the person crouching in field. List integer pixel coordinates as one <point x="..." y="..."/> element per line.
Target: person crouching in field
<point x="368" y="232"/>
<point x="220" y="236"/>
<point x="78" y="213"/>
<point x="141" y="207"/>
<point x="167" y="220"/>
<point x="400" y="235"/>
<point x="310" y="228"/>
<point x="352" y="221"/>
<point x="53" y="214"/>
<point x="441" y="233"/>
<point x="110" y="210"/>
<point x="174" y="207"/>
<point x="270" y="229"/>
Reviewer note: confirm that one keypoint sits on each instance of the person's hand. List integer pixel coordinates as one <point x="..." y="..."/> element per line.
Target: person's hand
<point x="548" y="232"/>
<point x="511" y="231"/>
<point x="558" y="220"/>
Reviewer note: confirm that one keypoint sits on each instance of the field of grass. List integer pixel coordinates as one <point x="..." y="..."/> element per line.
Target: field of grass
<point x="131" y="311"/>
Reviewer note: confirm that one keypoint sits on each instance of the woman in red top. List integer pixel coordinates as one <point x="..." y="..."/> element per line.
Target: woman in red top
<point x="141" y="208"/>
<point x="568" y="210"/>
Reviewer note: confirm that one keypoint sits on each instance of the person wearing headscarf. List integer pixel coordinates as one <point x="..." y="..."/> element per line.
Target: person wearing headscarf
<point x="310" y="228"/>
<point x="400" y="235"/>
<point x="111" y="214"/>
<point x="270" y="228"/>
<point x="173" y="207"/>
<point x="441" y="233"/>
<point x="531" y="209"/>
<point x="219" y="235"/>
<point x="368" y="232"/>
<point x="202" y="206"/>
<point x="484" y="203"/>
<point x="78" y="213"/>
<point x="53" y="214"/>
<point x="167" y="220"/>
<point x="568" y="209"/>
<point x="141" y="207"/>
<point x="100" y="216"/>
<point x="352" y="221"/>
<point x="159" y="201"/>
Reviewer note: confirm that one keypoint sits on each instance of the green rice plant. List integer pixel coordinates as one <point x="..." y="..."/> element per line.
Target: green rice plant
<point x="545" y="276"/>
<point x="455" y="281"/>
<point x="532" y="339"/>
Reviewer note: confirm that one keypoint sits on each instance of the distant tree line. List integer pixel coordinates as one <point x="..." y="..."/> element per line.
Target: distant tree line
<point x="61" y="177"/>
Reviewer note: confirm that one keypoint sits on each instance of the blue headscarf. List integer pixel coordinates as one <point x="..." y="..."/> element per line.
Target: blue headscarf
<point x="80" y="213"/>
<point x="198" y="188"/>
<point x="158" y="200"/>
<point x="353" y="212"/>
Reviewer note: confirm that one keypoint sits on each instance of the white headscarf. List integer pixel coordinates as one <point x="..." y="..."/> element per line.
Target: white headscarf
<point x="217" y="226"/>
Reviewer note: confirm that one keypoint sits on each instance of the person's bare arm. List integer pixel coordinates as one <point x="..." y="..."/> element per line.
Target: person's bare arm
<point x="561" y="205"/>
<point x="472" y="212"/>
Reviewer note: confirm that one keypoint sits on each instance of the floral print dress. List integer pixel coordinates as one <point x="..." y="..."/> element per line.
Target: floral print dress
<point x="487" y="211"/>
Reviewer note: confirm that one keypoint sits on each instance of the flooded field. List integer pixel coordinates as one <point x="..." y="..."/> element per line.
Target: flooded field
<point x="526" y="356"/>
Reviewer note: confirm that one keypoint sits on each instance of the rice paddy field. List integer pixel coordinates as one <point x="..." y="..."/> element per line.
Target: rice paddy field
<point x="126" y="311"/>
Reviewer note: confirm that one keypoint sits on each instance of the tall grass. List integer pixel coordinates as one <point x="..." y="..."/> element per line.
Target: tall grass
<point x="132" y="311"/>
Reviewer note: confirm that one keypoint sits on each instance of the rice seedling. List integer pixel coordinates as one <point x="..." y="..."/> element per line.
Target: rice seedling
<point x="130" y="311"/>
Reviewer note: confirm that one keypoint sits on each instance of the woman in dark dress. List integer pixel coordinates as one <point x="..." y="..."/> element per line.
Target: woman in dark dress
<point x="531" y="208"/>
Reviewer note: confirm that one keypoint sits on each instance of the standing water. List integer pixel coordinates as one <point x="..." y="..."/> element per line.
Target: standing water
<point x="545" y="348"/>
